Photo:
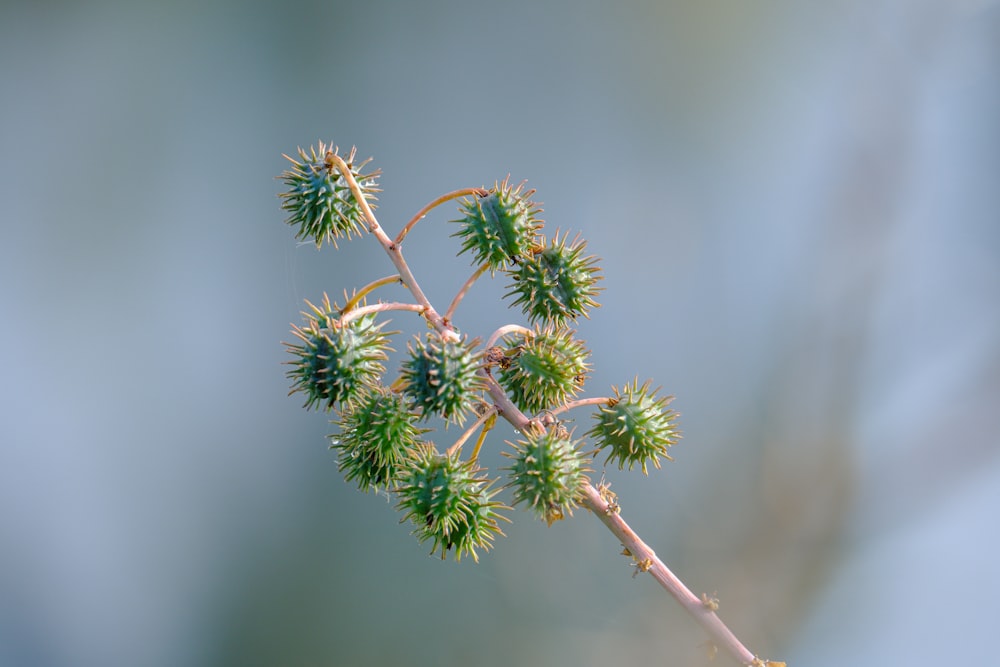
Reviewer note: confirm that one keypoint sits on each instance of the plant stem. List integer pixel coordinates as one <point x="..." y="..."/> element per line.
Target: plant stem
<point x="378" y="308"/>
<point x="580" y="403"/>
<point x="648" y="561"/>
<point x="461" y="293"/>
<point x="508" y="329"/>
<point x="645" y="558"/>
<point x="370" y="287"/>
<point x="489" y="413"/>
<point x="395" y="255"/>
<point x="464" y="192"/>
<point x="487" y="427"/>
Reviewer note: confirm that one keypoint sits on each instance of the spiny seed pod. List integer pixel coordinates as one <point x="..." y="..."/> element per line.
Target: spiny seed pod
<point x="450" y="502"/>
<point x="499" y="227"/>
<point x="334" y="363"/>
<point x="440" y="377"/>
<point x="546" y="370"/>
<point x="319" y="200"/>
<point x="635" y="426"/>
<point x="376" y="436"/>
<point x="556" y="283"/>
<point x="548" y="472"/>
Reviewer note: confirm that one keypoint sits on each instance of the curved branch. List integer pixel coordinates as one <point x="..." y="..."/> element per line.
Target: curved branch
<point x="395" y="254"/>
<point x="580" y="403"/>
<point x="379" y="308"/>
<point x="461" y="293"/>
<point x="367" y="289"/>
<point x="507" y="329"/>
<point x="464" y="192"/>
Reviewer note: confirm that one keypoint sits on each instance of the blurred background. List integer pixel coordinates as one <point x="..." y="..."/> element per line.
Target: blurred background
<point x="797" y="206"/>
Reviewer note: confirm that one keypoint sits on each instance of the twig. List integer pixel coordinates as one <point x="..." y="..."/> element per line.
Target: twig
<point x="464" y="192"/>
<point x="580" y="403"/>
<point x="461" y="293"/>
<point x="367" y="289"/>
<point x="645" y="557"/>
<point x="488" y="413"/>
<point x="395" y="254"/>
<point x="642" y="553"/>
<point x="379" y="308"/>
<point x="507" y="329"/>
<point x="648" y="561"/>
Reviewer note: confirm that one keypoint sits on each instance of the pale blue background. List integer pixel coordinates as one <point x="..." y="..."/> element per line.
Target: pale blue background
<point x="798" y="210"/>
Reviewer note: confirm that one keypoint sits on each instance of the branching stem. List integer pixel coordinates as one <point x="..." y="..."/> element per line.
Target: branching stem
<point x="395" y="254"/>
<point x="640" y="551"/>
<point x="645" y="557"/>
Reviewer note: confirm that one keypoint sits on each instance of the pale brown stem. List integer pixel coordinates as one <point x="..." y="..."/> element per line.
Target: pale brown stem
<point x="580" y="403"/>
<point x="367" y="289"/>
<point x="508" y="329"/>
<point x="483" y="418"/>
<point x="645" y="558"/>
<point x="395" y="255"/>
<point x="464" y="192"/>
<point x="378" y="308"/>
<point x="461" y="293"/>
<point x="647" y="561"/>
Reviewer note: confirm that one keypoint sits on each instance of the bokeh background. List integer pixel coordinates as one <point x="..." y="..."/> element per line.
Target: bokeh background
<point x="798" y="210"/>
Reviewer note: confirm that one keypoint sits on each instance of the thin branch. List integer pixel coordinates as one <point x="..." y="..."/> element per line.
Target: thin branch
<point x="505" y="407"/>
<point x="487" y="427"/>
<point x="359" y="195"/>
<point x="379" y="308"/>
<point x="464" y="192"/>
<point x="490" y="412"/>
<point x="367" y="289"/>
<point x="647" y="561"/>
<point x="645" y="558"/>
<point x="508" y="329"/>
<point x="395" y="254"/>
<point x="580" y="403"/>
<point x="461" y="293"/>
